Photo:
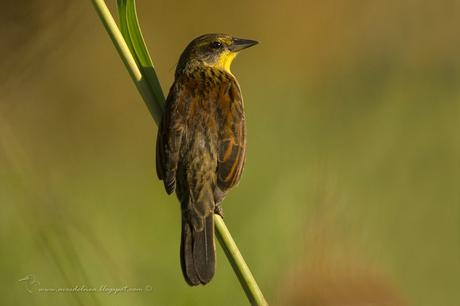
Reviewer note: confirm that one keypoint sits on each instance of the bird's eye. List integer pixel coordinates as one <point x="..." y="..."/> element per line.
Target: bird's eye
<point x="216" y="45"/>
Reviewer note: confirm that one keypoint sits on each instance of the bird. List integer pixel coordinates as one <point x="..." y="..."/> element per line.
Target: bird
<point x="201" y="145"/>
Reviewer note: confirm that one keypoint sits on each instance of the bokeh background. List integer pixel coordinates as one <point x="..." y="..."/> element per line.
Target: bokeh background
<point x="350" y="194"/>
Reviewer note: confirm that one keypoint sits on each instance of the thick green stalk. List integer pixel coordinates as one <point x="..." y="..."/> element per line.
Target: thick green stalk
<point x="128" y="59"/>
<point x="132" y="50"/>
<point x="240" y="267"/>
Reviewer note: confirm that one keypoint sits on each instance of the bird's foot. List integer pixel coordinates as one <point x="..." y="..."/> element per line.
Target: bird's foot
<point x="218" y="210"/>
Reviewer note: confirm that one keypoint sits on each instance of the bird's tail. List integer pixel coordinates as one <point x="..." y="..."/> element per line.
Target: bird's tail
<point x="197" y="251"/>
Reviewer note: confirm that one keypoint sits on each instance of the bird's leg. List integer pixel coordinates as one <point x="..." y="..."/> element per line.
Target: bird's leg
<point x="218" y="210"/>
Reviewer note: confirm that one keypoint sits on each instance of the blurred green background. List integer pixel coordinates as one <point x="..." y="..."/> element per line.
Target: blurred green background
<point x="350" y="194"/>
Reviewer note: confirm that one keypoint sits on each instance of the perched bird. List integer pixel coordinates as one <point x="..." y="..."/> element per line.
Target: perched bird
<point x="201" y="144"/>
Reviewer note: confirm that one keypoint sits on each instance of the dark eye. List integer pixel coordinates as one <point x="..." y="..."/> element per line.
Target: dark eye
<point x="216" y="45"/>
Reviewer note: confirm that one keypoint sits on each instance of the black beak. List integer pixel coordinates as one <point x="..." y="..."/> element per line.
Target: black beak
<point x="240" y="44"/>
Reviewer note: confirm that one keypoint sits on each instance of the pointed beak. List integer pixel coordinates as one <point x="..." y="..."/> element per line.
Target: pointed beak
<point x="240" y="44"/>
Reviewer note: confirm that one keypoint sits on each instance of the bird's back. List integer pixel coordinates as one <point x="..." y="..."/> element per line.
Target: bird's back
<point x="200" y="154"/>
<point x="213" y="145"/>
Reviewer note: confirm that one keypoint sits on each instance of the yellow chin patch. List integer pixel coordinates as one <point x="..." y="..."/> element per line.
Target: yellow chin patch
<point x="225" y="61"/>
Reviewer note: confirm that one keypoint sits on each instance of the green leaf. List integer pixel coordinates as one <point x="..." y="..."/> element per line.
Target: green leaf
<point x="121" y="5"/>
<point x="129" y="25"/>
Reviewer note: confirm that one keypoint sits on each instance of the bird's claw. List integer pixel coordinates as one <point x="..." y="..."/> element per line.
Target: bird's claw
<point x="219" y="211"/>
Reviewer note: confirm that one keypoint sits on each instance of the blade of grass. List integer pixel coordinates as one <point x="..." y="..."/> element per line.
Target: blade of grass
<point x="130" y="29"/>
<point x="154" y="99"/>
<point x="127" y="58"/>
<point x="121" y="6"/>
<point x="238" y="264"/>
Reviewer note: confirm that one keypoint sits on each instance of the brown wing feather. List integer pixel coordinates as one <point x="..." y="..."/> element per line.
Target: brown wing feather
<point x="232" y="143"/>
<point x="169" y="140"/>
<point x="160" y="158"/>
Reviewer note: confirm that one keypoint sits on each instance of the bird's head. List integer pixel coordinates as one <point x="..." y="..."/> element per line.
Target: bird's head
<point x="212" y="50"/>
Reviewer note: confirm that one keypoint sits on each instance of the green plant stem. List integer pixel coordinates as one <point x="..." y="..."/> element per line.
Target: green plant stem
<point x="128" y="59"/>
<point x="151" y="99"/>
<point x="240" y="267"/>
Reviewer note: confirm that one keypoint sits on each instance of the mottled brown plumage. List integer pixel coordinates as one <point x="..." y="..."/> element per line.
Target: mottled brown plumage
<point x="201" y="144"/>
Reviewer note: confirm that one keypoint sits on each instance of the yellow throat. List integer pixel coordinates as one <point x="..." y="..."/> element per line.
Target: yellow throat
<point x="225" y="61"/>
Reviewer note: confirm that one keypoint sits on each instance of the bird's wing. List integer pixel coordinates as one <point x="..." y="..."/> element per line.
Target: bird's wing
<point x="232" y="138"/>
<point x="169" y="140"/>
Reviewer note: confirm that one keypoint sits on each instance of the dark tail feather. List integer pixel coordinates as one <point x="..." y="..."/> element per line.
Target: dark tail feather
<point x="197" y="252"/>
<point x="204" y="252"/>
<point x="186" y="255"/>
